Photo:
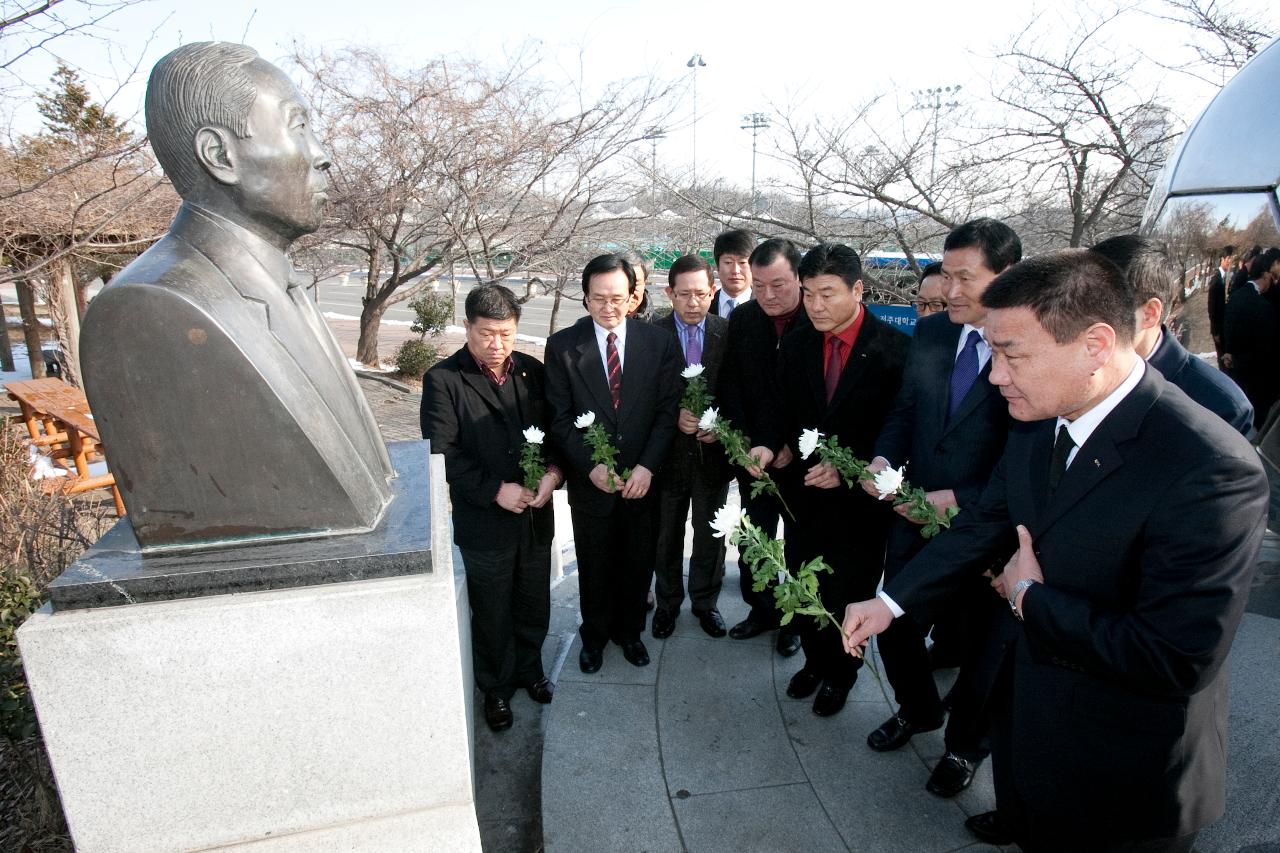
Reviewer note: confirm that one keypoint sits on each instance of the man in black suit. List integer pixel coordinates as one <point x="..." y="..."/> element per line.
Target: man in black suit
<point x="1251" y="335"/>
<point x="1217" y="297"/>
<point x="1155" y="283"/>
<point x="627" y="373"/>
<point x="476" y="406"/>
<point x="750" y="367"/>
<point x="948" y="426"/>
<point x="1110" y="727"/>
<point x="695" y="475"/>
<point x="732" y="253"/>
<point x="840" y="377"/>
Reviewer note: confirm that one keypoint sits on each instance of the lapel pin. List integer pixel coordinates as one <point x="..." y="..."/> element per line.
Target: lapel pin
<point x="1097" y="464"/>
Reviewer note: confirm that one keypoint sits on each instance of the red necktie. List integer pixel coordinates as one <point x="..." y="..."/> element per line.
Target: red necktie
<point x="834" y="367"/>
<point x="615" y="369"/>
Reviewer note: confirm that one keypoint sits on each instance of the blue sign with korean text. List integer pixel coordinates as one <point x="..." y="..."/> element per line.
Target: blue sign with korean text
<point x="901" y="317"/>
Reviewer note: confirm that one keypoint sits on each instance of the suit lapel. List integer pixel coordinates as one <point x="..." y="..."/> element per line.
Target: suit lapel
<point x="856" y="365"/>
<point x="940" y="391"/>
<point x="978" y="394"/>
<point x="639" y="364"/>
<point x="814" y="344"/>
<point x="479" y="383"/>
<point x="713" y="345"/>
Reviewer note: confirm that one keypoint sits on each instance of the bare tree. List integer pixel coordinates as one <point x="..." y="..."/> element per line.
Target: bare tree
<point x="1221" y="36"/>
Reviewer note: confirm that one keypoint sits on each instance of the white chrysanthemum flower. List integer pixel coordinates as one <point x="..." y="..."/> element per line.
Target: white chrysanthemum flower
<point x="888" y="480"/>
<point x="585" y="420"/>
<point x="809" y="442"/>
<point x="727" y="521"/>
<point x="709" y="418"/>
<point x="691" y="371"/>
<point x="533" y="435"/>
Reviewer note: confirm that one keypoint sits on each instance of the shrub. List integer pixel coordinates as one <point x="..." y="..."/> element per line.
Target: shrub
<point x="432" y="314"/>
<point x="415" y="357"/>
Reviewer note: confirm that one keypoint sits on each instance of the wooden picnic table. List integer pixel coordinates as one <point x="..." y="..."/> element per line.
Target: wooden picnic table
<point x="57" y="416"/>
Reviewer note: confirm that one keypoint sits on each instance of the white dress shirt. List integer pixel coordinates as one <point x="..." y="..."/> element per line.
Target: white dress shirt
<point x="728" y="303"/>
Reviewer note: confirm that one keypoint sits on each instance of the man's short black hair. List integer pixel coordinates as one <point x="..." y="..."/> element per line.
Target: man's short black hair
<point x="1146" y="265"/>
<point x="998" y="243"/>
<point x="686" y="264"/>
<point x="601" y="264"/>
<point x="1068" y="291"/>
<point x="735" y="242"/>
<point x="492" y="302"/>
<point x="832" y="259"/>
<point x="1227" y="251"/>
<point x="1263" y="262"/>
<point x="934" y="268"/>
<point x="769" y="251"/>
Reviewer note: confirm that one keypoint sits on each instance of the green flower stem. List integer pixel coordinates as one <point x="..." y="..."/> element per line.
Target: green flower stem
<point x="735" y="447"/>
<point x="532" y="465"/>
<point x="696" y="399"/>
<point x="604" y="453"/>
<point x="853" y="470"/>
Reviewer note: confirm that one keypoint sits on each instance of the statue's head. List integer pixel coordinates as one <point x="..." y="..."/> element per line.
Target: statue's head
<point x="233" y="134"/>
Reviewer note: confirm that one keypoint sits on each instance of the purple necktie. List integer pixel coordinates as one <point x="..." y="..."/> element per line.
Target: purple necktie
<point x="692" y="346"/>
<point x="834" y="367"/>
<point x="965" y="372"/>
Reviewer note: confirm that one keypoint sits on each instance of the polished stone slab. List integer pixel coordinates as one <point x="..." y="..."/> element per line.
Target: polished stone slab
<point x="115" y="571"/>
<point x="719" y="725"/>
<point x="760" y="820"/>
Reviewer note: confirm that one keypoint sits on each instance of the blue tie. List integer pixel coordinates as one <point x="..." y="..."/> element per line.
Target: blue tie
<point x="965" y="372"/>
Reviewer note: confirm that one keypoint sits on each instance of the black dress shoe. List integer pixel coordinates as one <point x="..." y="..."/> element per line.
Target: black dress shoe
<point x="497" y="712"/>
<point x="541" y="691"/>
<point x="664" y="622"/>
<point x="711" y="621"/>
<point x="951" y="776"/>
<point x="788" y="643"/>
<point x="635" y="653"/>
<point x="990" y="828"/>
<point x="896" y="732"/>
<point x="830" y="700"/>
<point x="589" y="660"/>
<point x="748" y="628"/>
<point x="803" y="683"/>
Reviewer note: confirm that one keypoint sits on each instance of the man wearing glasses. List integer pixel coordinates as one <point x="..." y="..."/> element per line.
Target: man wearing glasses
<point x="696" y="474"/>
<point x="627" y="374"/>
<point x="932" y="297"/>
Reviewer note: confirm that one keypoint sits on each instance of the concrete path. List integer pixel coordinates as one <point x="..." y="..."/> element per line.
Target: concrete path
<point x="703" y="751"/>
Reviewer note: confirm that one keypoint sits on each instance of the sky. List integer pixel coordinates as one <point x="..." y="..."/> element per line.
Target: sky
<point x="760" y="57"/>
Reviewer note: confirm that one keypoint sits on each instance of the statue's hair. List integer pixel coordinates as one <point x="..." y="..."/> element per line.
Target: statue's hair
<point x="199" y="84"/>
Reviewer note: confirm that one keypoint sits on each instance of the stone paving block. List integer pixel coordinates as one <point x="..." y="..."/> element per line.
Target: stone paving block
<point x="603" y="787"/>
<point x="1252" y="819"/>
<point x="718" y="724"/>
<point x="876" y="800"/>
<point x="760" y="820"/>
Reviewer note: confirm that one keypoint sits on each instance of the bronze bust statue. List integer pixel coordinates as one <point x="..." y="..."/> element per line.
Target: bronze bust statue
<point x="227" y="410"/>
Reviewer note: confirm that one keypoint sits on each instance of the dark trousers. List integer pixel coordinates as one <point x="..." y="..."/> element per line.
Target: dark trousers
<point x="510" y="594"/>
<point x="615" y="562"/>
<point x="908" y="667"/>
<point x="764" y="512"/>
<point x="677" y="496"/>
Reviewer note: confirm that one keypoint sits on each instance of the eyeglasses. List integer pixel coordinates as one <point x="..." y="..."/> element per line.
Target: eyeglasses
<point x="704" y="296"/>
<point x="931" y="305"/>
<point x="601" y="301"/>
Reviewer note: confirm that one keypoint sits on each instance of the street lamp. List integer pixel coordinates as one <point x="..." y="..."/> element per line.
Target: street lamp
<point x="933" y="99"/>
<point x="695" y="62"/>
<point x="755" y="122"/>
<point x="653" y="134"/>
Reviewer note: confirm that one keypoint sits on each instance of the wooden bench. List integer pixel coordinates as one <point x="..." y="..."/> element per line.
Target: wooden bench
<point x="57" y="418"/>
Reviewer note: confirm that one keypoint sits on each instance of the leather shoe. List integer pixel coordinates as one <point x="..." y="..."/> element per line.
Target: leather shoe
<point x="830" y="700"/>
<point x="803" y="683"/>
<point x="990" y="828"/>
<point x="635" y="653"/>
<point x="711" y="621"/>
<point x="951" y="775"/>
<point x="664" y="622"/>
<point x="589" y="660"/>
<point x="895" y="732"/>
<point x="788" y="643"/>
<point x="497" y="712"/>
<point x="541" y="691"/>
<point x="748" y="628"/>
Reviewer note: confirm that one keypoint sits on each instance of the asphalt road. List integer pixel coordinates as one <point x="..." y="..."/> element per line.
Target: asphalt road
<point x="339" y="298"/>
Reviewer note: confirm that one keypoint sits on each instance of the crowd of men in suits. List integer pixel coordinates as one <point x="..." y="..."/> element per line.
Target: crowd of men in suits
<point x="1244" y="319"/>
<point x="1044" y="398"/>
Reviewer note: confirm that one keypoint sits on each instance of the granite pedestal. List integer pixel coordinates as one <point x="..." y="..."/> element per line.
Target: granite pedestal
<point x="316" y="703"/>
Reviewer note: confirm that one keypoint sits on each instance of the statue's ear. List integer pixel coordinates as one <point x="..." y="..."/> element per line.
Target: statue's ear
<point x="215" y="151"/>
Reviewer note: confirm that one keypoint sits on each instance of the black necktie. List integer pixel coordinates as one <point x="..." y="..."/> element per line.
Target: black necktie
<point x="1062" y="447"/>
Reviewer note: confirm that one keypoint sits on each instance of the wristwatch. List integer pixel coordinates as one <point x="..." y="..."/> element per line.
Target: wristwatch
<point x="1018" y="587"/>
